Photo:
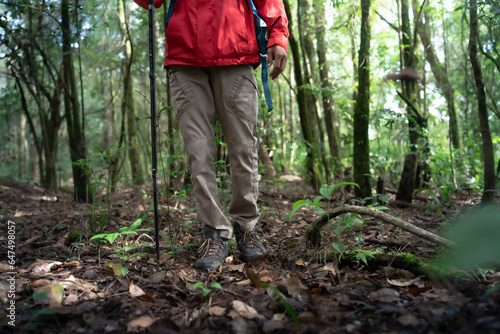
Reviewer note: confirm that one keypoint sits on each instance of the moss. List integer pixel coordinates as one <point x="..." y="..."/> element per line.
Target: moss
<point x="73" y="236"/>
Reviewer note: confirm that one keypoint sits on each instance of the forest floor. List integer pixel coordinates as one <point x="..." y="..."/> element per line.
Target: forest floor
<point x="66" y="284"/>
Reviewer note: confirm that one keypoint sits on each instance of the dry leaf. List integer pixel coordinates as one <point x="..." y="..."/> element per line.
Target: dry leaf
<point x="71" y="299"/>
<point x="40" y="282"/>
<point x="245" y="310"/>
<point x="300" y="262"/>
<point x="408" y="319"/>
<point x="140" y="323"/>
<point x="41" y="267"/>
<point x="116" y="269"/>
<point x="253" y="277"/>
<point x="217" y="311"/>
<point x="397" y="282"/>
<point x="49" y="294"/>
<point x="296" y="289"/>
<point x="385" y="295"/>
<point x="157" y="277"/>
<point x="137" y="292"/>
<point x="279" y="316"/>
<point x="237" y="267"/>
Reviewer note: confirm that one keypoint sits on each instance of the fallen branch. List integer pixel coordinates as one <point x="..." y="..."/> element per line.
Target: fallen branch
<point x="313" y="234"/>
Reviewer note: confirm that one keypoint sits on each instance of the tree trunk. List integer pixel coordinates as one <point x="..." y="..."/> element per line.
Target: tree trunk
<point x="266" y="160"/>
<point x="32" y="128"/>
<point x="302" y="103"/>
<point x="331" y="121"/>
<point x="408" y="176"/>
<point x="128" y="100"/>
<point x="361" y="149"/>
<point x="440" y="75"/>
<point x="72" y="111"/>
<point x="488" y="154"/>
<point x="307" y="44"/>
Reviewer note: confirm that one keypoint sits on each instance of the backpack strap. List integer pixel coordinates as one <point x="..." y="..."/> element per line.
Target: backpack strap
<point x="260" y="32"/>
<point x="170" y="11"/>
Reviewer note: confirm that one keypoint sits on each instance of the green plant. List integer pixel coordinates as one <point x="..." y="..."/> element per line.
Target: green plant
<point x="206" y="289"/>
<point x="124" y="247"/>
<point x="326" y="193"/>
<point x="175" y="247"/>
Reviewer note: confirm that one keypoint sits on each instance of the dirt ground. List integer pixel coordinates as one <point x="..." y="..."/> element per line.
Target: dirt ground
<point x="54" y="279"/>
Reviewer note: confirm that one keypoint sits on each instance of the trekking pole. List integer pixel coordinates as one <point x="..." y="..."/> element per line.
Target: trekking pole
<point x="154" y="163"/>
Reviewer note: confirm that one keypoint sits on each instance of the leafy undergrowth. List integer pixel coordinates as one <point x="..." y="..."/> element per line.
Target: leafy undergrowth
<point x="66" y="282"/>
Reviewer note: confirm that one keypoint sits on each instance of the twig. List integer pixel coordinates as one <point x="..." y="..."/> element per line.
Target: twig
<point x="313" y="234"/>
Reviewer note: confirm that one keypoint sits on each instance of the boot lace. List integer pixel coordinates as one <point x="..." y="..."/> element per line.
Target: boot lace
<point x="210" y="247"/>
<point x="249" y="240"/>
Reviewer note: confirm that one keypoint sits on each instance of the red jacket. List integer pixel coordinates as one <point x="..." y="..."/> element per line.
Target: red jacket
<point x="220" y="32"/>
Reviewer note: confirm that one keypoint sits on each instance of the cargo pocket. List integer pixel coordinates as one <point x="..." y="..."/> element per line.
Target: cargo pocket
<point x="181" y="94"/>
<point x="243" y="97"/>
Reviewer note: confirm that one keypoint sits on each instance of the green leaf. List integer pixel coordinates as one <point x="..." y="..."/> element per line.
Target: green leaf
<point x="111" y="237"/>
<point x="297" y="205"/>
<point x="216" y="285"/>
<point x="326" y="192"/>
<point x="338" y="246"/>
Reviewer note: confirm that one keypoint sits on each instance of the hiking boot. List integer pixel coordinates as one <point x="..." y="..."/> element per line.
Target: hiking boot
<point x="212" y="251"/>
<point x="249" y="244"/>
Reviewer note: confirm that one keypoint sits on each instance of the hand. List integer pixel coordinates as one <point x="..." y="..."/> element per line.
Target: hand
<point x="277" y="55"/>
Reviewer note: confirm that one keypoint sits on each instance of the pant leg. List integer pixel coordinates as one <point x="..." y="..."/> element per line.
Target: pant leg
<point x="195" y="111"/>
<point x="235" y="92"/>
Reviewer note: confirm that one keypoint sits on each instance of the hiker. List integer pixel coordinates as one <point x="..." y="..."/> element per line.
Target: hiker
<point x="210" y="54"/>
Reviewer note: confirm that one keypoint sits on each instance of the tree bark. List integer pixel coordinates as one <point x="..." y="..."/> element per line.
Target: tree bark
<point x="128" y="100"/>
<point x="331" y="121"/>
<point x="488" y="154"/>
<point x="408" y="176"/>
<point x="310" y="79"/>
<point x="302" y="103"/>
<point x="72" y="111"/>
<point x="361" y="150"/>
<point x="440" y="75"/>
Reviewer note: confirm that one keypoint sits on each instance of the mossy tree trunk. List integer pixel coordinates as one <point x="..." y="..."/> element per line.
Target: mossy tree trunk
<point x="361" y="149"/>
<point x="488" y="154"/>
<point x="128" y="100"/>
<point x="302" y="103"/>
<point x="72" y="112"/>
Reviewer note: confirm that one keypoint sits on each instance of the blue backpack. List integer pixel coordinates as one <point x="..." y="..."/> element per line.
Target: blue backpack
<point x="261" y="33"/>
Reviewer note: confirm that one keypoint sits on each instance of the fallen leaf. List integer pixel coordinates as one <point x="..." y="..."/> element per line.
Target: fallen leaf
<point x="41" y="267"/>
<point x="237" y="267"/>
<point x="271" y="326"/>
<point x="117" y="269"/>
<point x="217" y="311"/>
<point x="70" y="299"/>
<point x="49" y="294"/>
<point x="397" y="282"/>
<point x="157" y="277"/>
<point x="385" y="295"/>
<point x="140" y="323"/>
<point x="253" y="277"/>
<point x="300" y="262"/>
<point x="40" y="282"/>
<point x="137" y="292"/>
<point x="90" y="273"/>
<point x="279" y="316"/>
<point x="408" y="319"/>
<point x="296" y="289"/>
<point x="245" y="310"/>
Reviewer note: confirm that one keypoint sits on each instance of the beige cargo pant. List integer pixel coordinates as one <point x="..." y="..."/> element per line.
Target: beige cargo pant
<point x="200" y="95"/>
